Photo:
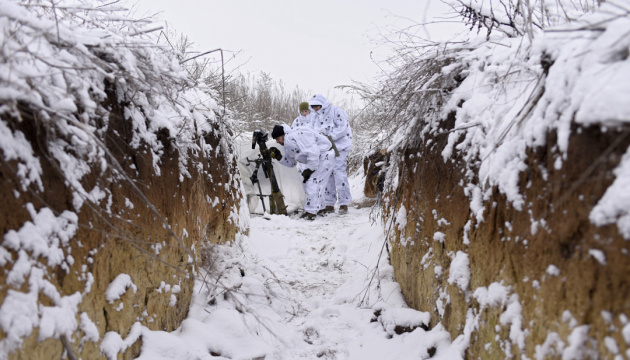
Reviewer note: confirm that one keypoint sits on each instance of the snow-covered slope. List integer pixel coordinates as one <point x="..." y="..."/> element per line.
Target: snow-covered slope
<point x="114" y="167"/>
<point x="507" y="181"/>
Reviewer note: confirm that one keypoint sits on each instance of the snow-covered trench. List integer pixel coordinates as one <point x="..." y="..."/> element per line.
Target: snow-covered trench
<point x="296" y="289"/>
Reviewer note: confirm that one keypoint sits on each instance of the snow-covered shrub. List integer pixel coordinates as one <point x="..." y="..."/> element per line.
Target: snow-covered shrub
<point x="88" y="101"/>
<point x="519" y="18"/>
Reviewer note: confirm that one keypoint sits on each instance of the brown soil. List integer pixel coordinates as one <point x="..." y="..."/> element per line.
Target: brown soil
<point x="124" y="240"/>
<point x="503" y="248"/>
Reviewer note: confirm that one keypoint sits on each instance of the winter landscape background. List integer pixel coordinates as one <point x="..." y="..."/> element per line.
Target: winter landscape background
<point x="490" y="177"/>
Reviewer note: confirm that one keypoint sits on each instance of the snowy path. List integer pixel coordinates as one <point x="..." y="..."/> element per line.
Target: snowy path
<point x="296" y="289"/>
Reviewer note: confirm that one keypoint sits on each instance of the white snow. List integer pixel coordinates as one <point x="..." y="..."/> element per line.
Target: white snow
<point x="611" y="345"/>
<point x="89" y="328"/>
<point x="118" y="287"/>
<point x="402" y="317"/>
<point x="598" y="255"/>
<point x="40" y="243"/>
<point x="15" y="147"/>
<point x="401" y="218"/>
<point x="113" y="343"/>
<point x="294" y="289"/>
<point x="459" y="272"/>
<point x="626" y="333"/>
<point x="46" y="236"/>
<point x="552" y="270"/>
<point x="614" y="206"/>
<point x="512" y="316"/>
<point x="553" y="345"/>
<point x="492" y="296"/>
<point x="577" y="348"/>
<point x="439" y="236"/>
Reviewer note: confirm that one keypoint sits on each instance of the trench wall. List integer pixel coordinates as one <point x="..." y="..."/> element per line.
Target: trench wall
<point x="546" y="254"/>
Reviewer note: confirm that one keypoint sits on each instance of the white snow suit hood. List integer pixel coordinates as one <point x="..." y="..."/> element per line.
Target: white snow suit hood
<point x="331" y="120"/>
<point x="319" y="99"/>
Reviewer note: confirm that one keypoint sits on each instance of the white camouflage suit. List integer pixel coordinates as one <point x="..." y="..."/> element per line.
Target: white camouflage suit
<point x="302" y="122"/>
<point x="333" y="121"/>
<point x="313" y="151"/>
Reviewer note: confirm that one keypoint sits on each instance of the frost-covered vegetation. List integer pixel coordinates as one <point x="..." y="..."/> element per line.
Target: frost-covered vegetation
<point x="62" y="60"/>
<point x="520" y="73"/>
<point x="67" y="69"/>
<point x="507" y="174"/>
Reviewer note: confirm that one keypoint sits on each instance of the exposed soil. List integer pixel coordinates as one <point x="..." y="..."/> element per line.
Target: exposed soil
<point x="503" y="248"/>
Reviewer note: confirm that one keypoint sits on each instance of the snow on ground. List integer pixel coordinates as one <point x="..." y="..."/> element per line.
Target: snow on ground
<point x="297" y="289"/>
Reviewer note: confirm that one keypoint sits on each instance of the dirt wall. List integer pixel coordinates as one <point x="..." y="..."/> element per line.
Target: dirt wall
<point x="148" y="226"/>
<point x="547" y="254"/>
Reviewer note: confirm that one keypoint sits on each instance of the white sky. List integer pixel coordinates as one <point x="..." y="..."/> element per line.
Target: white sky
<point x="314" y="45"/>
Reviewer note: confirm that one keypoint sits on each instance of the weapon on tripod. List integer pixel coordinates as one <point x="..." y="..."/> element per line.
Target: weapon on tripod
<point x="276" y="199"/>
<point x="254" y="178"/>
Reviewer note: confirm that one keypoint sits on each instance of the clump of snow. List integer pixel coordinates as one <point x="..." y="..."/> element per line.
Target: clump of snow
<point x="59" y="319"/>
<point x="598" y="255"/>
<point x="443" y="300"/>
<point x="513" y="316"/>
<point x="579" y="342"/>
<point x="21" y="313"/>
<point x="626" y="333"/>
<point x="45" y="236"/>
<point x="552" y="270"/>
<point x="437" y="270"/>
<point x="113" y="343"/>
<point x="15" y="147"/>
<point x="467" y="229"/>
<point x="39" y="244"/>
<point x="118" y="287"/>
<point x="401" y="218"/>
<point x="459" y="272"/>
<point x="614" y="206"/>
<point x="403" y="317"/>
<point x="498" y="296"/>
<point x="89" y="328"/>
<point x="611" y="345"/>
<point x="492" y="296"/>
<point x="553" y="345"/>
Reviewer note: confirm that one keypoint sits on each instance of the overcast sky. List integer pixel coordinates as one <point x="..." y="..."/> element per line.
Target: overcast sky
<point x="315" y="45"/>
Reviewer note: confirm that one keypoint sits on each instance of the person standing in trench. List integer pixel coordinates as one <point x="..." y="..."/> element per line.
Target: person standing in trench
<point x="332" y="121"/>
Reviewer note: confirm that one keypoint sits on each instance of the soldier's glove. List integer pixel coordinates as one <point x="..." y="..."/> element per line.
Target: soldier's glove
<point x="275" y="153"/>
<point x="306" y="174"/>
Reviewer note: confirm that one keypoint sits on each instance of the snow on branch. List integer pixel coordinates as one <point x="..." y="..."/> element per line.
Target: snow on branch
<point x="65" y="67"/>
<point x="519" y="17"/>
